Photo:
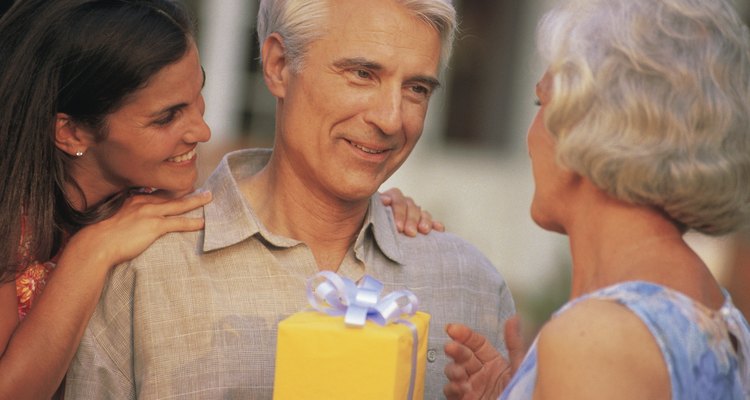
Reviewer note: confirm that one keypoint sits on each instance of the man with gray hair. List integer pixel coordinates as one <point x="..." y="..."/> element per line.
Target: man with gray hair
<point x="196" y="314"/>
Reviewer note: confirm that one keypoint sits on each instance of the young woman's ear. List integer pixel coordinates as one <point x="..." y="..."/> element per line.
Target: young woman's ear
<point x="69" y="137"/>
<point x="275" y="65"/>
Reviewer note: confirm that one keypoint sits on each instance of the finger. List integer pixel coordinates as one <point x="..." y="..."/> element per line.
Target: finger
<point x="398" y="207"/>
<point x="459" y="353"/>
<point x="390" y="196"/>
<point x="455" y="372"/>
<point x="514" y="342"/>
<point x="459" y="391"/>
<point x="463" y="358"/>
<point x="195" y="200"/>
<point x="413" y="215"/>
<point x="157" y="194"/>
<point x="458" y="332"/>
<point x="453" y="391"/>
<point x="181" y="224"/>
<point x="184" y="204"/>
<point x="425" y="222"/>
<point x="438" y="226"/>
<point x="145" y="198"/>
<point x="475" y="342"/>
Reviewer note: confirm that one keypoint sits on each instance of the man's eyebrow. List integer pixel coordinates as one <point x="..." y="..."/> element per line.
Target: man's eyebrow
<point x="360" y="62"/>
<point x="357" y="62"/>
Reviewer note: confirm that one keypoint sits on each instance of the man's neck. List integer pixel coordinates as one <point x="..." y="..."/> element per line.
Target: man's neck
<point x="287" y="207"/>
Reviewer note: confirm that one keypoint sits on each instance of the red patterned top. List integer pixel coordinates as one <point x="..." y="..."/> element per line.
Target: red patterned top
<point x="30" y="282"/>
<point x="32" y="278"/>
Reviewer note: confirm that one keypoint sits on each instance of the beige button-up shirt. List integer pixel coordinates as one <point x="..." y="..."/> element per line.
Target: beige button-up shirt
<point x="195" y="315"/>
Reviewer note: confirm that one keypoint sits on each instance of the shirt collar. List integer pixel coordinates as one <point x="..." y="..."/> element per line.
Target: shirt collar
<point x="228" y="217"/>
<point x="230" y="220"/>
<point x="379" y="221"/>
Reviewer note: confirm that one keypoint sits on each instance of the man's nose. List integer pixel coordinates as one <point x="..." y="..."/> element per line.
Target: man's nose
<point x="386" y="110"/>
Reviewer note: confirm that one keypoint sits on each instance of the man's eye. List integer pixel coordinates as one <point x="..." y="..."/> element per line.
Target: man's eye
<point x="420" y="92"/>
<point x="363" y="74"/>
<point x="537" y="102"/>
<point x="418" y="89"/>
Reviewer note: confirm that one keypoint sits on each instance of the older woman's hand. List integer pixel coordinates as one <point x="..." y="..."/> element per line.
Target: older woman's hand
<point x="478" y="370"/>
<point x="410" y="218"/>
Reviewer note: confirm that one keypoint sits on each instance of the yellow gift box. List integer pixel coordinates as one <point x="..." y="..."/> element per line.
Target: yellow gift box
<point x="319" y="357"/>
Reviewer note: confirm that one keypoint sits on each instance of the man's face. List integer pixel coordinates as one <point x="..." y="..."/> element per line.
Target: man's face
<point x="350" y="117"/>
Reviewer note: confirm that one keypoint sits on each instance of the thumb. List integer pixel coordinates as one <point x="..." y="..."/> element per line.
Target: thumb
<point x="514" y="342"/>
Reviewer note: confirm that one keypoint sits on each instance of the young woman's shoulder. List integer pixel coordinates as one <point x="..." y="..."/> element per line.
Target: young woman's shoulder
<point x="599" y="349"/>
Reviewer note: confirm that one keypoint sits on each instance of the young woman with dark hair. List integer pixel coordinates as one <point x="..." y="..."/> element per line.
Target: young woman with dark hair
<point x="100" y="115"/>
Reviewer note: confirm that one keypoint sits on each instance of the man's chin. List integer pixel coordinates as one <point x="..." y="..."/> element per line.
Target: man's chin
<point x="357" y="196"/>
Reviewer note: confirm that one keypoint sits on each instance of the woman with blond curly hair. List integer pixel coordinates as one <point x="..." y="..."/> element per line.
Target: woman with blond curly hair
<point x="643" y="133"/>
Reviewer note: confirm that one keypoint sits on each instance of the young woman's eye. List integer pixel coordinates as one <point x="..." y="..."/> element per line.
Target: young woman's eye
<point x="166" y="119"/>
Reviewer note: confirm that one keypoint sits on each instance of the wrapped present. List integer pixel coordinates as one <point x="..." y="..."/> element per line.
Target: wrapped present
<point x="354" y="345"/>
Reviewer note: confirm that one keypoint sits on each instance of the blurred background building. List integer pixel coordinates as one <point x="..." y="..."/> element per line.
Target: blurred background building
<point x="470" y="169"/>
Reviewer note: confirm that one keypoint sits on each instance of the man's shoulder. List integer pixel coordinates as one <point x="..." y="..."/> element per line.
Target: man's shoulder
<point x="448" y="251"/>
<point x="443" y="265"/>
<point x="436" y="248"/>
<point x="171" y="247"/>
<point x="440" y="244"/>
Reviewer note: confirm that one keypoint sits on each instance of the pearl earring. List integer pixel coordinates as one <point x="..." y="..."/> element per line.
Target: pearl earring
<point x="79" y="153"/>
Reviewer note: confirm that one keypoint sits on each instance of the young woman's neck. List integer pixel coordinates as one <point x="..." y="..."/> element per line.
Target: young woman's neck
<point x="91" y="189"/>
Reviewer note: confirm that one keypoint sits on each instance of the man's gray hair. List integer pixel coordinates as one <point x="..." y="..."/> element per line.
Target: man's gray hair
<point x="299" y="22"/>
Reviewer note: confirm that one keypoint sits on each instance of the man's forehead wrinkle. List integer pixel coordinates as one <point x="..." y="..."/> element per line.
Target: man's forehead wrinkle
<point x="383" y="39"/>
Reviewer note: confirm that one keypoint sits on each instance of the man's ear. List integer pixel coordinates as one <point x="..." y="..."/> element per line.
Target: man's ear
<point x="69" y="137"/>
<point x="275" y="65"/>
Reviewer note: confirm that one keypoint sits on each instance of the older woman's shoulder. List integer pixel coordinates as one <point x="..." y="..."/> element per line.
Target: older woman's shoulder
<point x="600" y="349"/>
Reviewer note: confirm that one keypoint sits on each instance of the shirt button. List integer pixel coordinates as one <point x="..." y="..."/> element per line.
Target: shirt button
<point x="431" y="355"/>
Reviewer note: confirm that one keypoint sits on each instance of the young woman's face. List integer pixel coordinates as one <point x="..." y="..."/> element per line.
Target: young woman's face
<point x="152" y="139"/>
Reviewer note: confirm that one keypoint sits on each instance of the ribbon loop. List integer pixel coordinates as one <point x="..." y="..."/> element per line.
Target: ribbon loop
<point x="336" y="295"/>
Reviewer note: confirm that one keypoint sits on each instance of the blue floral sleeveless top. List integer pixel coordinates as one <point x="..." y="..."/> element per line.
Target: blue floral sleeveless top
<point x="694" y="341"/>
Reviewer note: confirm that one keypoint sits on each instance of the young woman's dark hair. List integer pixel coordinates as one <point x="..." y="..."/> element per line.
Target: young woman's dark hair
<point x="82" y="58"/>
<point x="4" y="6"/>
